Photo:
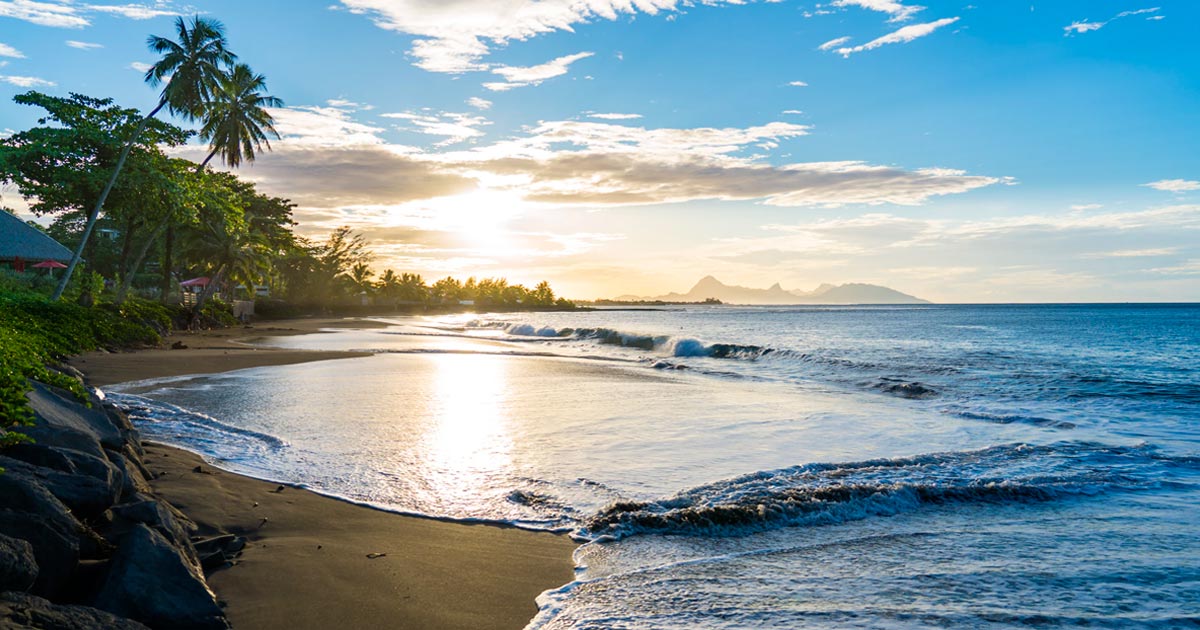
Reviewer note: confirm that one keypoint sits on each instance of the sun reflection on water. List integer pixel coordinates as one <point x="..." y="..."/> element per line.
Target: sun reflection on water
<point x="468" y="443"/>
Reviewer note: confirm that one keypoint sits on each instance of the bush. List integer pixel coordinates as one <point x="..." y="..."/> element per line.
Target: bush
<point x="35" y="333"/>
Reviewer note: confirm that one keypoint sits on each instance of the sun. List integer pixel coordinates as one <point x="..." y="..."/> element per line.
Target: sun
<point x="480" y="218"/>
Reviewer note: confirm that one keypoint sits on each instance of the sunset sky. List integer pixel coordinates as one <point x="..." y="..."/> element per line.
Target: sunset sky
<point x="966" y="151"/>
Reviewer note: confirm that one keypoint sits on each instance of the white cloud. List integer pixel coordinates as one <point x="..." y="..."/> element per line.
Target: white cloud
<point x="9" y="51"/>
<point x="1084" y="26"/>
<point x="455" y="36"/>
<point x="136" y="11"/>
<point x="322" y="126"/>
<point x="454" y="127"/>
<point x="798" y="84"/>
<point x="83" y="45"/>
<point x="479" y="103"/>
<point x="614" y="116"/>
<point x="898" y="11"/>
<point x="1188" y="268"/>
<point x="521" y="76"/>
<point x="792" y="112"/>
<point x="26" y="82"/>
<point x="43" y="13"/>
<point x="834" y="43"/>
<point x="349" y="105"/>
<point x="140" y="67"/>
<point x="900" y="36"/>
<point x="1134" y="253"/>
<point x="1087" y="206"/>
<point x="1174" y="185"/>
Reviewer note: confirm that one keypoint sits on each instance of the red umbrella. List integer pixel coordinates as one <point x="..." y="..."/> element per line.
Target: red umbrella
<point x="50" y="264"/>
<point x="195" y="282"/>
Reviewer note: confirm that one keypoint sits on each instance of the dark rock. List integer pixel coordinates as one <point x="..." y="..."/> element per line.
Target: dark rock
<point x="179" y="345"/>
<point x="22" y="611"/>
<point x="61" y="420"/>
<point x="152" y="582"/>
<point x="215" y="552"/>
<point x="158" y="516"/>
<point x="84" y="494"/>
<point x="18" y="567"/>
<point x="32" y="514"/>
<point x="132" y="479"/>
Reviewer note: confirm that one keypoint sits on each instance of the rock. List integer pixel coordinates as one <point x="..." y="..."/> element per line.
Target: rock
<point x="132" y="480"/>
<point x="179" y="345"/>
<point x="61" y="420"/>
<point x="151" y="581"/>
<point x="18" y="568"/>
<point x="159" y="517"/>
<point x="32" y="514"/>
<point x="215" y="552"/>
<point x="22" y="611"/>
<point x="84" y="494"/>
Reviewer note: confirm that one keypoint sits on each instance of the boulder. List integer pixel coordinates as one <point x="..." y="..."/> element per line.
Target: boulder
<point x="61" y="420"/>
<point x="32" y="514"/>
<point x="22" y="611"/>
<point x="84" y="494"/>
<point x="159" y="517"/>
<point x="18" y="567"/>
<point x="151" y="581"/>
<point x="133" y="481"/>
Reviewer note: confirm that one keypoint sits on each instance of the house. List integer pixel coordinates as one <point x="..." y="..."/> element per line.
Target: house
<point x="22" y="244"/>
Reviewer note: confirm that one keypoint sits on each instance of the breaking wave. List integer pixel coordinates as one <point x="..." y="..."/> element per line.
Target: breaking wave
<point x="822" y="494"/>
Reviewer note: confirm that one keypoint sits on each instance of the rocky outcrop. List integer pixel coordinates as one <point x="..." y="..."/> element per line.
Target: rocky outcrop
<point x="84" y="543"/>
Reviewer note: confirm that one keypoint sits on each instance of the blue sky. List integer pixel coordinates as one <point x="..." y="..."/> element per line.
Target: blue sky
<point x="985" y="151"/>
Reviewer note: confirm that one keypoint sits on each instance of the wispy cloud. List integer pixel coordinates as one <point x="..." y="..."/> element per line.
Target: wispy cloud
<point x="25" y="82"/>
<point x="834" y="43"/>
<point x="456" y="36"/>
<point x="1134" y="253"/>
<point x="137" y="11"/>
<point x="797" y="84"/>
<point x="897" y="10"/>
<point x="140" y="66"/>
<point x="479" y="103"/>
<point x="1086" y="206"/>
<point x="1174" y="185"/>
<point x="611" y="116"/>
<point x="43" y="13"/>
<point x="901" y="36"/>
<point x="348" y="105"/>
<point x="1085" y="26"/>
<point x="9" y="51"/>
<point x="83" y="45"/>
<point x="453" y="127"/>
<point x="521" y="76"/>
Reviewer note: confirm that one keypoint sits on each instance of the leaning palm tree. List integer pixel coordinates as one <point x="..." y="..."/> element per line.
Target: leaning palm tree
<point x="191" y="68"/>
<point x="237" y="122"/>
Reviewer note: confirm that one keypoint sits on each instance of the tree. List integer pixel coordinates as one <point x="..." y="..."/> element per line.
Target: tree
<point x="237" y="123"/>
<point x="192" y="68"/>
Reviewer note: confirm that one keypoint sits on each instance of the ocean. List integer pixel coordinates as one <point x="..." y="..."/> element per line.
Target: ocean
<point x="762" y="467"/>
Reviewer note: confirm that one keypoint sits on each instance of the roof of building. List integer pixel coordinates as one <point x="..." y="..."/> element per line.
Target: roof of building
<point x="18" y="239"/>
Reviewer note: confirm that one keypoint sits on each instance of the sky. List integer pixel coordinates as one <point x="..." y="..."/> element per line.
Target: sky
<point x="983" y="151"/>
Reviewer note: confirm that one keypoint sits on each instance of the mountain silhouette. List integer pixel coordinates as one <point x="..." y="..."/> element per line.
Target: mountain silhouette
<point x="852" y="293"/>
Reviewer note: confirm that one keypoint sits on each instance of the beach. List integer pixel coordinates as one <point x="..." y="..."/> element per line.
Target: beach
<point x="319" y="562"/>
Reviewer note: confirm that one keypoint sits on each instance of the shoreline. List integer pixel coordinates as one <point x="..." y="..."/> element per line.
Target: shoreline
<point x="309" y="561"/>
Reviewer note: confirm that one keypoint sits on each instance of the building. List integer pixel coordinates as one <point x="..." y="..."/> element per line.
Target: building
<point x="22" y="244"/>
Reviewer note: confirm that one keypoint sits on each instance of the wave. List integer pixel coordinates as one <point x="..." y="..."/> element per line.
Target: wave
<point x="821" y="494"/>
<point x="149" y="413"/>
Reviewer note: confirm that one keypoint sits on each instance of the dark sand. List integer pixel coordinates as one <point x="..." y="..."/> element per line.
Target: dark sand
<point x="306" y="565"/>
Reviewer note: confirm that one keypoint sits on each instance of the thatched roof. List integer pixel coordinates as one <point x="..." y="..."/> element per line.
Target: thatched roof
<point x="17" y="239"/>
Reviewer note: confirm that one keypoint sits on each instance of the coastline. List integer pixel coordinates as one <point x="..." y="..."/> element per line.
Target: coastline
<point x="306" y="565"/>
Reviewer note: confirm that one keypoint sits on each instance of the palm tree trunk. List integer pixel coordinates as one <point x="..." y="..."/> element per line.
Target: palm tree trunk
<point x="208" y="291"/>
<point x="112" y="181"/>
<point x="127" y="281"/>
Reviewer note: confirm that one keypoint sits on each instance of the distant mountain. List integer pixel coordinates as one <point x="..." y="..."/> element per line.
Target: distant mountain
<point x="854" y="293"/>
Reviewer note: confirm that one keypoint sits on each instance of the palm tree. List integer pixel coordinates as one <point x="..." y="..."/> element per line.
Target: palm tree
<point x="194" y="65"/>
<point x="237" y="123"/>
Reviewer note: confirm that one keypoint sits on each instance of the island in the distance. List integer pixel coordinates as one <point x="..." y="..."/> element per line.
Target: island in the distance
<point x="709" y="289"/>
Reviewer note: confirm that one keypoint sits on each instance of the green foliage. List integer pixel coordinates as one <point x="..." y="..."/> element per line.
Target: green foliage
<point x="35" y="332"/>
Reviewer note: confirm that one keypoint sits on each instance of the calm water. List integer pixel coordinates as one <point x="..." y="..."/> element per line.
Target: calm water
<point x="888" y="467"/>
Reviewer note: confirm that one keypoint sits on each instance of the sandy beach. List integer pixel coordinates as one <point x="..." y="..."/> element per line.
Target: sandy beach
<point x="317" y="562"/>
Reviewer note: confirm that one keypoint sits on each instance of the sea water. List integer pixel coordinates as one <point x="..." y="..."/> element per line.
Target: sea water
<point x="825" y="467"/>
